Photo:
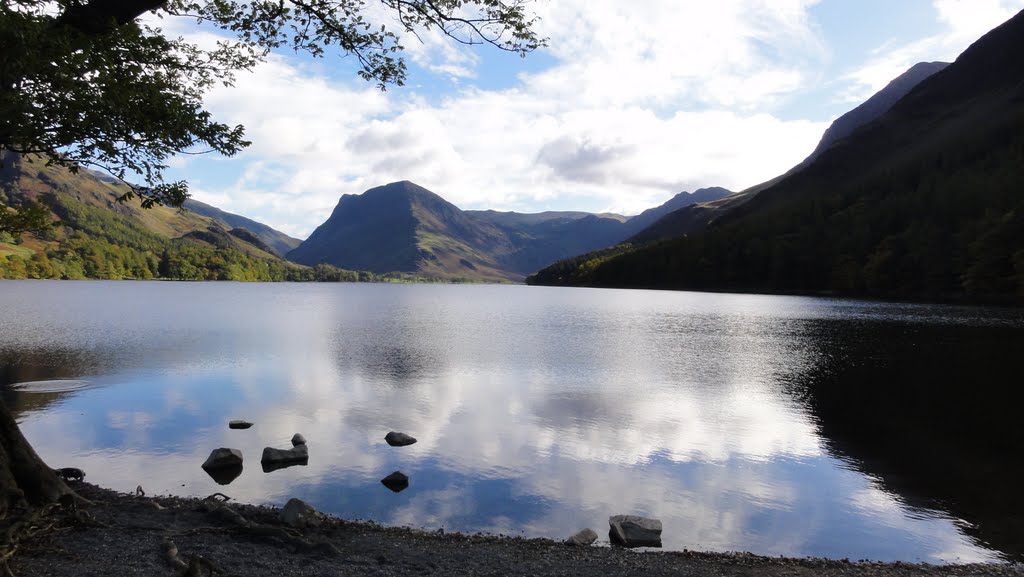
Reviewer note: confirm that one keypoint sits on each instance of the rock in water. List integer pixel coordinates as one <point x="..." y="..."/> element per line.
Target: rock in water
<point x="298" y="439"/>
<point x="397" y="481"/>
<point x="223" y="458"/>
<point x="633" y="531"/>
<point x="398" y="439"/>
<point x="583" y="538"/>
<point x="239" y="424"/>
<point x="295" y="455"/>
<point x="298" y="513"/>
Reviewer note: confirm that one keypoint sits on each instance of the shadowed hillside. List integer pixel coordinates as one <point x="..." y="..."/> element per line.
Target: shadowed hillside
<point x="689" y="220"/>
<point x="926" y="202"/>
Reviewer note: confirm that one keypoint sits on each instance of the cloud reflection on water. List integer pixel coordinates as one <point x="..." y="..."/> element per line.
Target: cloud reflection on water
<point x="537" y="412"/>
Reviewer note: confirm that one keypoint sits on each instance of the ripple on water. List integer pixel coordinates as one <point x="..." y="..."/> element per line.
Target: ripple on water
<point x="52" y="386"/>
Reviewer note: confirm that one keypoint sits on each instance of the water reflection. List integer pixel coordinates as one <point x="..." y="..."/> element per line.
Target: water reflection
<point x="537" y="411"/>
<point x="933" y="412"/>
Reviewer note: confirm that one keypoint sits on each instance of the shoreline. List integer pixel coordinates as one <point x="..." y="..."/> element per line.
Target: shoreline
<point x="123" y="534"/>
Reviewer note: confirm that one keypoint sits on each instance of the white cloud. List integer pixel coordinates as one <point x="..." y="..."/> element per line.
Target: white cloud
<point x="639" y="104"/>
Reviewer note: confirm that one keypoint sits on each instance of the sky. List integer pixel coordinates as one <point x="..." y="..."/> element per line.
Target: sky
<point x="629" y="104"/>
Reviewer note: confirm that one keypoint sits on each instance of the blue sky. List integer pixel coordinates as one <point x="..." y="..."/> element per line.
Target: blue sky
<point x="629" y="104"/>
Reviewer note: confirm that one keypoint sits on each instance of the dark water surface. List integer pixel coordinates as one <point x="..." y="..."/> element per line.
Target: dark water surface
<point x="778" y="425"/>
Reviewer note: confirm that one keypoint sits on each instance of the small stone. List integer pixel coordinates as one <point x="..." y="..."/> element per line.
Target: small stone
<point x="298" y="439"/>
<point x="633" y="531"/>
<point x="223" y="458"/>
<point x="237" y="424"/>
<point x="584" y="538"/>
<point x="398" y="439"/>
<point x="297" y="513"/>
<point x="397" y="481"/>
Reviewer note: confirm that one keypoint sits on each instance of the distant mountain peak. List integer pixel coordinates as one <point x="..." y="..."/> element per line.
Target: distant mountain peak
<point x="402" y="226"/>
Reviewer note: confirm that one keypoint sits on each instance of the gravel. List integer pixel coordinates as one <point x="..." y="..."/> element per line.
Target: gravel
<point x="135" y="528"/>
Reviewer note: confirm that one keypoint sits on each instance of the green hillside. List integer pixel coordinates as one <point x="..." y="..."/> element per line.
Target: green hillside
<point x="274" y="241"/>
<point x="926" y="202"/>
<point x="100" y="238"/>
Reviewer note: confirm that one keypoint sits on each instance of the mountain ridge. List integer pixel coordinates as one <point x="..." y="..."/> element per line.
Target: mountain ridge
<point x="405" y="227"/>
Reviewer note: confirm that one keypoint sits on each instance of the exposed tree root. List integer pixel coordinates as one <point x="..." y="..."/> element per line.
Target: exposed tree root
<point x="216" y="508"/>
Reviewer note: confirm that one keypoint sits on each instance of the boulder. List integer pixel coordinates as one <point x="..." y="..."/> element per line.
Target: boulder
<point x="298" y="454"/>
<point x="223" y="458"/>
<point x="239" y="424"/>
<point x="398" y="439"/>
<point x="633" y="531"/>
<point x="397" y="481"/>
<point x="584" y="538"/>
<point x="298" y="439"/>
<point x="297" y="513"/>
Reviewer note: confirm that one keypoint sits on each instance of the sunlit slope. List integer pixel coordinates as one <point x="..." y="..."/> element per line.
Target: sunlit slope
<point x="102" y="238"/>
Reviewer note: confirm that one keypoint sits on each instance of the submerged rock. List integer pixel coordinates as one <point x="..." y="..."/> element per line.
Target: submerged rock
<point x="298" y="439"/>
<point x="398" y="439"/>
<point x="274" y="458"/>
<point x="271" y="467"/>
<point x="297" y="513"/>
<point x="584" y="538"/>
<point x="397" y="481"/>
<point x="633" y="531"/>
<point x="223" y="458"/>
<point x="237" y="424"/>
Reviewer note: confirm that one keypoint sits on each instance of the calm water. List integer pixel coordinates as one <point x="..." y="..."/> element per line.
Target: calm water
<point x="778" y="425"/>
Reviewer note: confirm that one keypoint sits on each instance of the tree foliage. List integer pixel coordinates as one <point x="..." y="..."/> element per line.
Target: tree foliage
<point x="89" y="84"/>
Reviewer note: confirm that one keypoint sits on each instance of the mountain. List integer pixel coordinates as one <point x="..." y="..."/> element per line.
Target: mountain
<point x="925" y="202"/>
<point x="103" y="238"/>
<point x="876" y="106"/>
<point x="405" y="227"/>
<point x="278" y="242"/>
<point x="700" y="196"/>
<point x="528" y="219"/>
<point x="687" y="220"/>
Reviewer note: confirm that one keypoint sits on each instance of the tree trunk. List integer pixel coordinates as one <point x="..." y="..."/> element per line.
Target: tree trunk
<point x="27" y="484"/>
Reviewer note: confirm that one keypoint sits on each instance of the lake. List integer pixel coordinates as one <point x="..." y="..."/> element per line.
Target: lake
<point x="777" y="425"/>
